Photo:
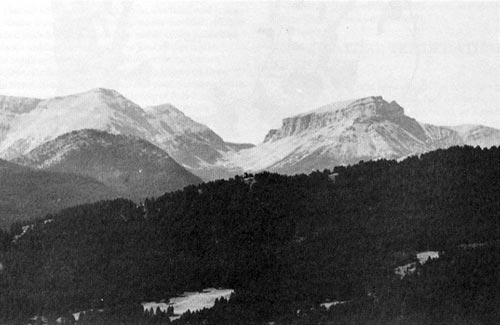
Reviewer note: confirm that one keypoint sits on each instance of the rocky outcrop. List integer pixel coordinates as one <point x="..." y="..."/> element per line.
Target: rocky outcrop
<point x="361" y="109"/>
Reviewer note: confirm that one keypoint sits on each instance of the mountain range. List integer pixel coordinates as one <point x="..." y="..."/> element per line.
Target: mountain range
<point x="126" y="150"/>
<point x="27" y="123"/>
<point x="336" y="134"/>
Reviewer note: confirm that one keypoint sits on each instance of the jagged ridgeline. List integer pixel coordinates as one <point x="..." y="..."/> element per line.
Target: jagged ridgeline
<point x="283" y="243"/>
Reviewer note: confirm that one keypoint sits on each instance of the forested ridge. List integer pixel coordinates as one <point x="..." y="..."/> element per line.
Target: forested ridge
<point x="285" y="244"/>
<point x="27" y="193"/>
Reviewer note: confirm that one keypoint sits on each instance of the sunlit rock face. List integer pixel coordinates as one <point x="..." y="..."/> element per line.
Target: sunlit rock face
<point x="349" y="131"/>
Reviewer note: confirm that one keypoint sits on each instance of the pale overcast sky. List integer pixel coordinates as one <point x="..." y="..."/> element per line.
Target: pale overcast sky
<point x="242" y="67"/>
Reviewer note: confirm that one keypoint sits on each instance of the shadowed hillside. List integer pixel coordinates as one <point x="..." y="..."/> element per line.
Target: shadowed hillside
<point x="26" y="193"/>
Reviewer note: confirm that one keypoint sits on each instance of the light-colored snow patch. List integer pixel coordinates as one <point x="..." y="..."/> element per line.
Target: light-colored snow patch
<point x="195" y="301"/>
<point x="410" y="268"/>
<point x="192" y="301"/>
<point x="152" y="306"/>
<point x="327" y="304"/>
<point x="77" y="315"/>
<point x="423" y="257"/>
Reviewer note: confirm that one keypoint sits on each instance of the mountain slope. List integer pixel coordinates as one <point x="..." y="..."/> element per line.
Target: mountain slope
<point x="26" y="193"/>
<point x="99" y="109"/>
<point x="350" y="131"/>
<point x="10" y="108"/>
<point x="27" y="123"/>
<point x="189" y="142"/>
<point x="125" y="163"/>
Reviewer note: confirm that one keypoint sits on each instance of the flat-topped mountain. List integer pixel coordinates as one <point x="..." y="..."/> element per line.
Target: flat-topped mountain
<point x="350" y="131"/>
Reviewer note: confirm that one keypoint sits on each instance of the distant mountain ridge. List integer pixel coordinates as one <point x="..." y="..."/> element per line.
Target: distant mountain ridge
<point x="130" y="165"/>
<point x="478" y="135"/>
<point x="350" y="131"/>
<point x="27" y="123"/>
<point x="99" y="108"/>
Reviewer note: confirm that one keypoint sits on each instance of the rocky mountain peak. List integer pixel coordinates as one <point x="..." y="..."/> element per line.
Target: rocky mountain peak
<point x="363" y="109"/>
<point x="105" y="92"/>
<point x="375" y="105"/>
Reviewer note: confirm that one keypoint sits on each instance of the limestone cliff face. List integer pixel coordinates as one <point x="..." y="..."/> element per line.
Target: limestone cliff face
<point x="350" y="131"/>
<point x="364" y="109"/>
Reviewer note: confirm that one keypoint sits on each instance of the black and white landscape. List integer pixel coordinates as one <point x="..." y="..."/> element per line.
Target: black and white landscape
<point x="195" y="163"/>
<point x="37" y="133"/>
<point x="296" y="249"/>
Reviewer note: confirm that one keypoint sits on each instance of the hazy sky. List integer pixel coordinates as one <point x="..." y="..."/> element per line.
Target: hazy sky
<point x="242" y="67"/>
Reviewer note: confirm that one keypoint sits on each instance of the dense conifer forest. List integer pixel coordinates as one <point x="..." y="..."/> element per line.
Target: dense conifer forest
<point x="285" y="244"/>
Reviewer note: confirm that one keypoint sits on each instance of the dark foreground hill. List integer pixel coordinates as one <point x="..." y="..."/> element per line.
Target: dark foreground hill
<point x="26" y="193"/>
<point x="285" y="244"/>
